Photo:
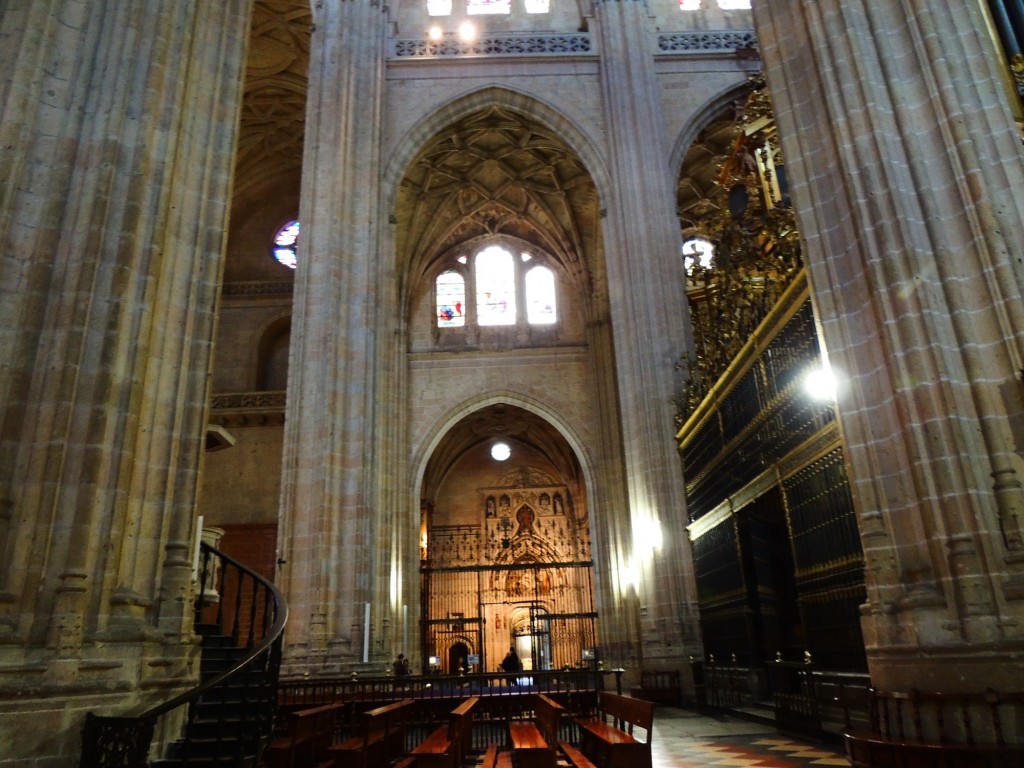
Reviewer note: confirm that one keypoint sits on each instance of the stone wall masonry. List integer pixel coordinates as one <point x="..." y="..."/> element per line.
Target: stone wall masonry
<point x="442" y="385"/>
<point x="115" y="198"/>
<point x="239" y="333"/>
<point x="921" y="313"/>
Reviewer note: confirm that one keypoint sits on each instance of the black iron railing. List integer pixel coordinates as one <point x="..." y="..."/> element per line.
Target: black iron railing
<point x="797" y="697"/>
<point x="379" y="689"/>
<point x="229" y="715"/>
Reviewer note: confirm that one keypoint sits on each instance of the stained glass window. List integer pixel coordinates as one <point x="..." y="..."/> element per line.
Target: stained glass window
<point x="451" y="300"/>
<point x="495" y="287"/>
<point x="478" y="7"/>
<point x="286" y="243"/>
<point x="540" y="296"/>
<point x="496" y="276"/>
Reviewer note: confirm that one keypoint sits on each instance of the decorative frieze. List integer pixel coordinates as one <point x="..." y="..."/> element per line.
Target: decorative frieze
<point x="721" y="41"/>
<point x="701" y="42"/>
<point x="493" y="45"/>
<point x="247" y="409"/>
<point x="259" y="288"/>
<point x="248" y="400"/>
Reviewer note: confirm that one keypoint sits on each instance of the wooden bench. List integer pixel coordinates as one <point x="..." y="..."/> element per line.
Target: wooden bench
<point x="494" y="759"/>
<point x="866" y="750"/>
<point x="306" y="738"/>
<point x="447" y="746"/>
<point x="381" y="738"/>
<point x="535" y="742"/>
<point x="919" y="729"/>
<point x="575" y="758"/>
<point x="659" y="686"/>
<point x="613" y="745"/>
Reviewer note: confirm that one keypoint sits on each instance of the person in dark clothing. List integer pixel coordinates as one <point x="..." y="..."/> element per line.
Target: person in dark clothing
<point x="401" y="666"/>
<point x="511" y="663"/>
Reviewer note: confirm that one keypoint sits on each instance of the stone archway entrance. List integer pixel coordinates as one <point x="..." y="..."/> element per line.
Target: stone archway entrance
<point x="458" y="658"/>
<point x="507" y="559"/>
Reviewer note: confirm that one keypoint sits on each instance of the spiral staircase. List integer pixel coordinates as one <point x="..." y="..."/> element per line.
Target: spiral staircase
<point x="227" y="719"/>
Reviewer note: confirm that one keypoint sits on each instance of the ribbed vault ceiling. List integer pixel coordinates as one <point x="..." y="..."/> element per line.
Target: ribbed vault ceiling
<point x="701" y="167"/>
<point x="496" y="172"/>
<point x="273" y="115"/>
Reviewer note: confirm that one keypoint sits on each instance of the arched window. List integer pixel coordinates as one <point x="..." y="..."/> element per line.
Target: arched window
<point x="540" y="296"/>
<point x="286" y="243"/>
<point x="272" y="365"/>
<point x="495" y="287"/>
<point x="451" y="299"/>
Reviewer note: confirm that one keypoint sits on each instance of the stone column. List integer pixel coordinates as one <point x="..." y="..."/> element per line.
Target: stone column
<point x="328" y="524"/>
<point x="907" y="178"/>
<point x="648" y="321"/>
<point x="397" y="579"/>
<point x="117" y="131"/>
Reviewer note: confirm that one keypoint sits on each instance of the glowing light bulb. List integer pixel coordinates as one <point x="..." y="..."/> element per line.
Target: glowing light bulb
<point x="820" y="383"/>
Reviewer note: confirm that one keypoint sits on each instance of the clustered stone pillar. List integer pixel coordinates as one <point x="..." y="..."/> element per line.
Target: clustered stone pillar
<point x="906" y="171"/>
<point x="647" y="283"/>
<point x="327" y="535"/>
<point x="117" y="132"/>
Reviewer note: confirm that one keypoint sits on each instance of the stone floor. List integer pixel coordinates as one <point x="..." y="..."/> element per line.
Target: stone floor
<point x="685" y="739"/>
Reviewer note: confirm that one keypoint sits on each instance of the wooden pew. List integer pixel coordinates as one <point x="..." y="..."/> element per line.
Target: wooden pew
<point x="381" y="738"/>
<point x="306" y="738"/>
<point x="866" y="750"/>
<point x="575" y="758"/>
<point x="447" y="746"/>
<point x="613" y="745"/>
<point x="535" y="742"/>
<point x="495" y="759"/>
<point x="916" y="729"/>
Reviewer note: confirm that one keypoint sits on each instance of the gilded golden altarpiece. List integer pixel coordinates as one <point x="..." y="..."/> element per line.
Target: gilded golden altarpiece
<point x="520" y="575"/>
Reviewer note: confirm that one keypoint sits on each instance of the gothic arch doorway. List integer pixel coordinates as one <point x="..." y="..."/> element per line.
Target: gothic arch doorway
<point x="506" y="560"/>
<point x="458" y="658"/>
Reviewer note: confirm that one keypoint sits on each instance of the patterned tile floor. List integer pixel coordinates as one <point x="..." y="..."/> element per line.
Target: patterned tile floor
<point x="685" y="739"/>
